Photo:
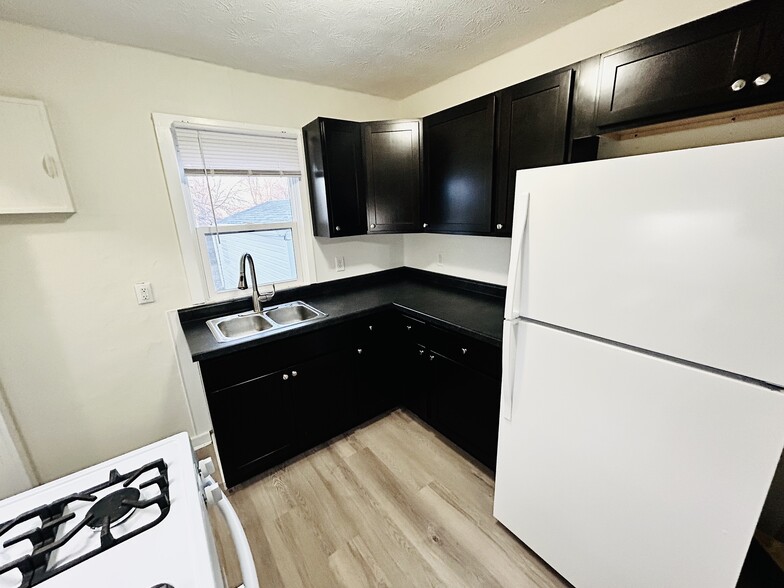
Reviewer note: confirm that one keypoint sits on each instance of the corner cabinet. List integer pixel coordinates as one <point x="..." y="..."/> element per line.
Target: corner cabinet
<point x="336" y="177"/>
<point x="32" y="176"/>
<point x="533" y="131"/>
<point x="393" y="163"/>
<point x="731" y="59"/>
<point x="459" y="162"/>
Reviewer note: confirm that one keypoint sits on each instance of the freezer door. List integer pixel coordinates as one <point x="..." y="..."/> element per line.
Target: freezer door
<point x="681" y="253"/>
<point x="620" y="469"/>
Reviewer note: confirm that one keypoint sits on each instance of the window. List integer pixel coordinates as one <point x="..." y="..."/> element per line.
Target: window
<point x="241" y="194"/>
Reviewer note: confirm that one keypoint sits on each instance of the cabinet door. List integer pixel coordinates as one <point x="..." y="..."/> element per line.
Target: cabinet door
<point x="767" y="81"/>
<point x="687" y="71"/>
<point x="32" y="177"/>
<point x="459" y="156"/>
<point x="323" y="389"/>
<point x="533" y="131"/>
<point x="336" y="179"/>
<point x="464" y="406"/>
<point x="253" y="425"/>
<point x="416" y="380"/>
<point x="376" y="387"/>
<point x="393" y="162"/>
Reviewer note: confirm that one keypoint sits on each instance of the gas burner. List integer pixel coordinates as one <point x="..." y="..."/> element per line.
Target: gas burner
<point x="115" y="507"/>
<point x="111" y="512"/>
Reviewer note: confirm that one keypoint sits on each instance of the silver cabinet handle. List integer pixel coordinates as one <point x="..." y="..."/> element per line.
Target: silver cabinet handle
<point x="293" y="374"/>
<point x="432" y="357"/>
<point x="370" y="327"/>
<point x="762" y="79"/>
<point x="738" y="85"/>
<point x="424" y="225"/>
<point x="285" y="376"/>
<point x="337" y="228"/>
<point x="408" y="327"/>
<point x="499" y="226"/>
<point x="359" y="351"/>
<point x="421" y="352"/>
<point x="464" y="350"/>
<point x="372" y="226"/>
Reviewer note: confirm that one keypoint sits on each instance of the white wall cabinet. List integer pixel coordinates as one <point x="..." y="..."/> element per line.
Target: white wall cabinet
<point x="31" y="176"/>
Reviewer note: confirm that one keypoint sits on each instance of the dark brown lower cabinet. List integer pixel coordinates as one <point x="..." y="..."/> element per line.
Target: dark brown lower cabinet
<point x="415" y="381"/>
<point x="322" y="390"/>
<point x="348" y="375"/>
<point x="464" y="406"/>
<point x="254" y="425"/>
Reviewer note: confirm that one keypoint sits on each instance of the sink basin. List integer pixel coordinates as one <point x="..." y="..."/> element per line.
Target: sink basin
<point x="272" y="319"/>
<point x="288" y="314"/>
<point x="237" y="326"/>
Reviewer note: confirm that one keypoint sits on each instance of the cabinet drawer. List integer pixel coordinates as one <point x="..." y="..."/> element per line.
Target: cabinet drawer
<point x="476" y="354"/>
<point x="410" y="330"/>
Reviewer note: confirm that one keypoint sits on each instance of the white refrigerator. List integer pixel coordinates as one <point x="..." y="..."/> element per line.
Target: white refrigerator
<point x="642" y="412"/>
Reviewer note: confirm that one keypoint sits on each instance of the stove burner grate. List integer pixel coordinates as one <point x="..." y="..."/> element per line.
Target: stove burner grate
<point x="115" y="507"/>
<point x="107" y="511"/>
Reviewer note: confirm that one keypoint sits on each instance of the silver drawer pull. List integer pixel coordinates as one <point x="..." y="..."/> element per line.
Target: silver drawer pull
<point x="293" y="374"/>
<point x="359" y="351"/>
<point x="762" y="79"/>
<point x="464" y="350"/>
<point x="738" y="85"/>
<point x="285" y="376"/>
<point x="408" y="327"/>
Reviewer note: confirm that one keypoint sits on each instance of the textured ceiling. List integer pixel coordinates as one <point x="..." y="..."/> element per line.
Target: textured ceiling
<point x="388" y="48"/>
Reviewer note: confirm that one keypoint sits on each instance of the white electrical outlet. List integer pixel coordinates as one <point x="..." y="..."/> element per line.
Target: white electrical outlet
<point x="340" y="264"/>
<point x="440" y="258"/>
<point x="144" y="293"/>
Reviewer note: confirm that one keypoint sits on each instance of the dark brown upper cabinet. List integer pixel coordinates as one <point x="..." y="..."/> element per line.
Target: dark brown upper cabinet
<point x="709" y="65"/>
<point x="393" y="163"/>
<point x="459" y="156"/>
<point x="533" y="131"/>
<point x="336" y="177"/>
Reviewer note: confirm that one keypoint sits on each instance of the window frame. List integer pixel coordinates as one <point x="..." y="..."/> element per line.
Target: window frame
<point x="190" y="237"/>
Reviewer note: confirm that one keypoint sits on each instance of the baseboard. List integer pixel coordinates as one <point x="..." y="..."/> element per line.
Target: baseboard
<point x="201" y="440"/>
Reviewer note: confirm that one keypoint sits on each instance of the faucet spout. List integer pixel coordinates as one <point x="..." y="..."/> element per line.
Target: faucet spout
<point x="256" y="296"/>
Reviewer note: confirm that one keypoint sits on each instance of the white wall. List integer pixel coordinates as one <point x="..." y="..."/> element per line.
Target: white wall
<point x="87" y="372"/>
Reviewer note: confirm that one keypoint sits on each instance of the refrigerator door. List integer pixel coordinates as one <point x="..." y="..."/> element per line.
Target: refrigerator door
<point x="621" y="469"/>
<point x="680" y="253"/>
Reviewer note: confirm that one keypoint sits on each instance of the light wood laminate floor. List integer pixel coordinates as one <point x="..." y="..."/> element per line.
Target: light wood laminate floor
<point x="388" y="504"/>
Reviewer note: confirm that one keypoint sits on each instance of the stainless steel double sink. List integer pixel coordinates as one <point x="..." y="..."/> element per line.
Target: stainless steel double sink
<point x="268" y="321"/>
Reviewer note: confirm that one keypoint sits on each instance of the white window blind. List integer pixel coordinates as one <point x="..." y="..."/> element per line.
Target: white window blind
<point x="235" y="152"/>
<point x="240" y="187"/>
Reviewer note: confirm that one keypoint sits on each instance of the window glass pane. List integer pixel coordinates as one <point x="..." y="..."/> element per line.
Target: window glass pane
<point x="272" y="252"/>
<point x="241" y="199"/>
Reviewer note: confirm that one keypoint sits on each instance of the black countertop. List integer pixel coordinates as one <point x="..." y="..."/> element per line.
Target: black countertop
<point x="464" y="306"/>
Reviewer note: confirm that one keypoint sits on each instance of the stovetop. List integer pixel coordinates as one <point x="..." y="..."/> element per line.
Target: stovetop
<point x="137" y="520"/>
<point x="54" y="537"/>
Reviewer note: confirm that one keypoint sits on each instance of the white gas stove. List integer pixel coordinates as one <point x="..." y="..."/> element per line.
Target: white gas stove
<point x="136" y="521"/>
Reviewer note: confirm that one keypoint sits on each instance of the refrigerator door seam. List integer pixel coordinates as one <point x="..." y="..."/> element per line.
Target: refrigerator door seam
<point x="656" y="354"/>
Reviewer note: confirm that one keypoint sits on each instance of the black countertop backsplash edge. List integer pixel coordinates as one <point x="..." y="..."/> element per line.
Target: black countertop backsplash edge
<point x="203" y="312"/>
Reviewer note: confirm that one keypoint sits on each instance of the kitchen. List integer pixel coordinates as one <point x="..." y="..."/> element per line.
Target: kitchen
<point x="78" y="272"/>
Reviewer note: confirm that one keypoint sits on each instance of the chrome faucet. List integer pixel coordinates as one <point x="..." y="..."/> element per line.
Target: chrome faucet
<point x="257" y="297"/>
